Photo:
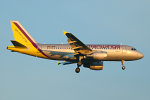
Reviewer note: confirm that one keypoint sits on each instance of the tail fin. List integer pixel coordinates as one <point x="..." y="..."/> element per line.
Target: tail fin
<point x="20" y="34"/>
<point x="23" y="42"/>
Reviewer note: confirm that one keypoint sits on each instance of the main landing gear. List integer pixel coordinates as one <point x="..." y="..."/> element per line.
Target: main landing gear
<point x="123" y="67"/>
<point x="77" y="70"/>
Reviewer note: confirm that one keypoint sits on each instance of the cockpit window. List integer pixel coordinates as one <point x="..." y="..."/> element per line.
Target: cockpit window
<point x="133" y="49"/>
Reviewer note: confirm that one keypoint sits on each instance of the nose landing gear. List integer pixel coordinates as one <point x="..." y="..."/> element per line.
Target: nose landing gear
<point x="123" y="67"/>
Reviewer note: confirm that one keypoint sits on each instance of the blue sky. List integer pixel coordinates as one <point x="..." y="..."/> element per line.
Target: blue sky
<point x="23" y="77"/>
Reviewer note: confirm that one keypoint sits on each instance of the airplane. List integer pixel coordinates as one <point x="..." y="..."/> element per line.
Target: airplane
<point x="90" y="56"/>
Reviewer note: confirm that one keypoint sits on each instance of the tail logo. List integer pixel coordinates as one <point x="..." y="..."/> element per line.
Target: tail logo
<point x="21" y="36"/>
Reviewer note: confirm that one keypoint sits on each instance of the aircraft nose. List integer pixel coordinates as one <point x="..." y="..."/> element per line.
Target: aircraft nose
<point x="141" y="55"/>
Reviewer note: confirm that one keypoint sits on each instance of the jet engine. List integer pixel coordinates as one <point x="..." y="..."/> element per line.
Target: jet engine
<point x="94" y="65"/>
<point x="98" y="56"/>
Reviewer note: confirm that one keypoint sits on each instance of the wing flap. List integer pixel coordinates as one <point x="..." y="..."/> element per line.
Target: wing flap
<point x="71" y="42"/>
<point x="78" y="47"/>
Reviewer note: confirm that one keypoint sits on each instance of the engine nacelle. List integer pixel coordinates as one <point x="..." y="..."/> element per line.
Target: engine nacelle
<point x="94" y="65"/>
<point x="98" y="55"/>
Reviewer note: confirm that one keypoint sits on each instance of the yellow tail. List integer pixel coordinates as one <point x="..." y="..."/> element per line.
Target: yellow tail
<point x="20" y="34"/>
<point x="23" y="42"/>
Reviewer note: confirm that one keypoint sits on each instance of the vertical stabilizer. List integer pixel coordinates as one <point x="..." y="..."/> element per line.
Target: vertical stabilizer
<point x="20" y="34"/>
<point x="23" y="42"/>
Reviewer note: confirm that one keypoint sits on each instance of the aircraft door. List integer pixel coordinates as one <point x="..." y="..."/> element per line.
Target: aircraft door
<point x="124" y="50"/>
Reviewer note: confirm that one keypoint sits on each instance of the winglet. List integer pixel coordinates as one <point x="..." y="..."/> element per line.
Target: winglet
<point x="65" y="32"/>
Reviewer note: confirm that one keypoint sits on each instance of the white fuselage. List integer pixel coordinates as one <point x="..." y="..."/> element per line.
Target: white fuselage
<point x="114" y="52"/>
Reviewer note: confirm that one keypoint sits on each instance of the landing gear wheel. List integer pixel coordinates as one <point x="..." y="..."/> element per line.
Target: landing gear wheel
<point x="79" y="64"/>
<point x="123" y="67"/>
<point x="77" y="70"/>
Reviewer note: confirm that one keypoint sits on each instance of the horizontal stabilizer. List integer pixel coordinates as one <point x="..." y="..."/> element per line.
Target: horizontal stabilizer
<point x="58" y="62"/>
<point x="17" y="44"/>
<point x="65" y="63"/>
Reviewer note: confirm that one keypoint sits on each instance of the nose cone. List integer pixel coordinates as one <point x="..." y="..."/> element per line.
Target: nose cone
<point x="140" y="55"/>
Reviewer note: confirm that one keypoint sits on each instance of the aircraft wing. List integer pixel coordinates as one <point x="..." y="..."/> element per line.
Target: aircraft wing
<point x="77" y="45"/>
